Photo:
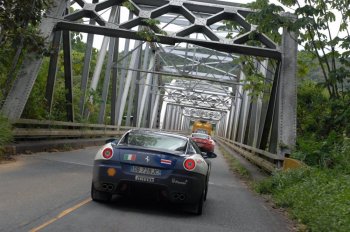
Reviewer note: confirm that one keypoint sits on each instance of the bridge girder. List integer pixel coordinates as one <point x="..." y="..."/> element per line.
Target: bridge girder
<point x="276" y="128"/>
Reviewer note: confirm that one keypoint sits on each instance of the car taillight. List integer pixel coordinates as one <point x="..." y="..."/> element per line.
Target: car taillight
<point x="107" y="153"/>
<point x="189" y="164"/>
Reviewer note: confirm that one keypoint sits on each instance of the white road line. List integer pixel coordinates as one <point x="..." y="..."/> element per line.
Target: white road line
<point x="67" y="162"/>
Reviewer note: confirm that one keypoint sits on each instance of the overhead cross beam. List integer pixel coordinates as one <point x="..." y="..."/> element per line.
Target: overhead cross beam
<point x="113" y="31"/>
<point x="187" y="9"/>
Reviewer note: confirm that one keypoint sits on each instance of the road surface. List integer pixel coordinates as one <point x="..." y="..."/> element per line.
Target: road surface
<point x="51" y="192"/>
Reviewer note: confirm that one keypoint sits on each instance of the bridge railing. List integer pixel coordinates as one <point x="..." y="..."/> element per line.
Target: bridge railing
<point x="27" y="129"/>
<point x="266" y="160"/>
<point x="36" y="129"/>
<point x="43" y="129"/>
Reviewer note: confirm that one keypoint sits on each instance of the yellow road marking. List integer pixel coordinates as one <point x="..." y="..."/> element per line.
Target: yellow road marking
<point x="62" y="214"/>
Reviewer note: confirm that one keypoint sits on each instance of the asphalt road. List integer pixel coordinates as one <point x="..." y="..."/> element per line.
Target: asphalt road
<point x="51" y="192"/>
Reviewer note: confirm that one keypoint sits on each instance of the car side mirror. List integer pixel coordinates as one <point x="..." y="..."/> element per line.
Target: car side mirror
<point x="209" y="155"/>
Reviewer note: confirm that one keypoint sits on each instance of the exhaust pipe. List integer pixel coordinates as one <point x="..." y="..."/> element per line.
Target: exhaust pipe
<point x="181" y="197"/>
<point x="108" y="187"/>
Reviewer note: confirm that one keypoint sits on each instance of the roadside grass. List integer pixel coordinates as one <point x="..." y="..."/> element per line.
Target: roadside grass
<point x="235" y="165"/>
<point x="318" y="198"/>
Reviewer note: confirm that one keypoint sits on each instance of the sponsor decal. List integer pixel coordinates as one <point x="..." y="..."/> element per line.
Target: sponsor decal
<point x="147" y="159"/>
<point x="199" y="161"/>
<point x="144" y="179"/>
<point x="181" y="182"/>
<point x="165" y="161"/>
<point x="130" y="157"/>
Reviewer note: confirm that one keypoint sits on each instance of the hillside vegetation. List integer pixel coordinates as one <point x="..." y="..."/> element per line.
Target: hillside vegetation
<point x="317" y="196"/>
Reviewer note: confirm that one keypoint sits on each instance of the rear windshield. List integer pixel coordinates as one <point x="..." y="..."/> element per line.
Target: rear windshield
<point x="201" y="136"/>
<point x="151" y="140"/>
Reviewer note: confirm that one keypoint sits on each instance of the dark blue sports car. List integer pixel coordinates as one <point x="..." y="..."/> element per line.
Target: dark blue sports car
<point x="168" y="165"/>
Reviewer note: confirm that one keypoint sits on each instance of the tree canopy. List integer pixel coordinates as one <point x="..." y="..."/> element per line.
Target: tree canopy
<point x="323" y="31"/>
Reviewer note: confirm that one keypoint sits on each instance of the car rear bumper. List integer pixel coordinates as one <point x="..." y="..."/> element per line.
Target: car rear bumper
<point x="177" y="187"/>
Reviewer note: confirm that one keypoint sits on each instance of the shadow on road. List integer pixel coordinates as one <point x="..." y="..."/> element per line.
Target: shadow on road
<point x="148" y="205"/>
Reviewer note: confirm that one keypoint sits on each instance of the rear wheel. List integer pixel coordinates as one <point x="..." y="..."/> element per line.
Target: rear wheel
<point x="199" y="205"/>
<point x="207" y="183"/>
<point x="206" y="192"/>
<point x="99" y="195"/>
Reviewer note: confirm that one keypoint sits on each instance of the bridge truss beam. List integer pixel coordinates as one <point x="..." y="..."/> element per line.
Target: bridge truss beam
<point x="276" y="129"/>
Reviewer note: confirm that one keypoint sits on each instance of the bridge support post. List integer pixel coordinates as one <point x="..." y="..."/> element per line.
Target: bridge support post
<point x="243" y="114"/>
<point x="231" y="119"/>
<point x="238" y="104"/>
<point x="100" y="60"/>
<point x="256" y="111"/>
<point x="287" y="94"/>
<point x="135" y="89"/>
<point x="113" y="49"/>
<point x="117" y="94"/>
<point x="51" y="77"/>
<point x="146" y="90"/>
<point x="155" y="110"/>
<point x="112" y="43"/>
<point x="86" y="68"/>
<point x="25" y="79"/>
<point x="134" y="58"/>
<point x="68" y="78"/>
<point x="263" y="114"/>
<point x="167" y="116"/>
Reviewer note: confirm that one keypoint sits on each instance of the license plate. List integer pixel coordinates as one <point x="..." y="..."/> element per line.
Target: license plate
<point x="145" y="170"/>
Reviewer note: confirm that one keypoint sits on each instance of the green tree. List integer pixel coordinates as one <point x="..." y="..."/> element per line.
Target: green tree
<point x="19" y="20"/>
<point x="315" y="20"/>
<point x="5" y="134"/>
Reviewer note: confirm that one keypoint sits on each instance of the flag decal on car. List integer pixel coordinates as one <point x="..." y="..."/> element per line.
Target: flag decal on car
<point x="131" y="157"/>
<point x="165" y="161"/>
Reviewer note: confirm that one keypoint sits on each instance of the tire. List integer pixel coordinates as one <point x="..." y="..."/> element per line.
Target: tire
<point x="100" y="196"/>
<point x="206" y="192"/>
<point x="199" y="205"/>
<point x="207" y="183"/>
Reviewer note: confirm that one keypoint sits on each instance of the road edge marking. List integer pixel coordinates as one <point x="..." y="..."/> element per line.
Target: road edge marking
<point x="60" y="215"/>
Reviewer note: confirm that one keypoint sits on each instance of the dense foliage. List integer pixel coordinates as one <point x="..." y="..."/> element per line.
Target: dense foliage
<point x="314" y="23"/>
<point x="317" y="196"/>
<point x="5" y="134"/>
<point x="19" y="34"/>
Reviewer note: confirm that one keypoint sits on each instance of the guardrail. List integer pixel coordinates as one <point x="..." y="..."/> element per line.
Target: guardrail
<point x="28" y="129"/>
<point x="43" y="129"/>
<point x="266" y="160"/>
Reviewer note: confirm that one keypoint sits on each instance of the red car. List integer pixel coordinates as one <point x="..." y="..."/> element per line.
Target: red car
<point x="204" y="141"/>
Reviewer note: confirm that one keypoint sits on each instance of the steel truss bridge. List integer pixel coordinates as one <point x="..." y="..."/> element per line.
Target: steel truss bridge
<point x="167" y="63"/>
